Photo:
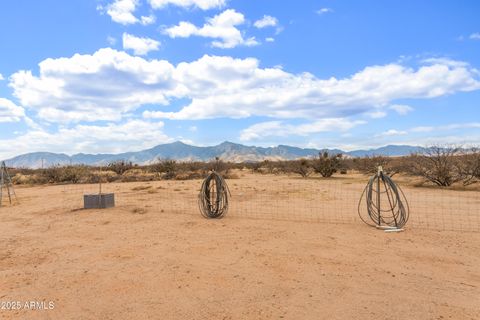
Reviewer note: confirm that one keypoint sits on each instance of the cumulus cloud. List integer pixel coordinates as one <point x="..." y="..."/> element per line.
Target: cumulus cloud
<point x="401" y="109"/>
<point x="221" y="26"/>
<point x="10" y="112"/>
<point x="110" y="83"/>
<point x="266" y="21"/>
<point x="1" y="77"/>
<point x="140" y="46"/>
<point x="281" y="129"/>
<point x="202" y="4"/>
<point x="111" y="138"/>
<point x="269" y="39"/>
<point x="102" y="86"/>
<point x="243" y="89"/>
<point x="121" y="11"/>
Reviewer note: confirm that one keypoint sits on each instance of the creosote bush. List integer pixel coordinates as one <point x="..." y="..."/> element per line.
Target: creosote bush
<point x="166" y="168"/>
<point x="327" y="164"/>
<point x="120" y="166"/>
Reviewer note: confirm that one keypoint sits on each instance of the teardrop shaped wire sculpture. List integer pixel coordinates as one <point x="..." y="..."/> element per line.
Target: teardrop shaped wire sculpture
<point x="384" y="201"/>
<point x="213" y="196"/>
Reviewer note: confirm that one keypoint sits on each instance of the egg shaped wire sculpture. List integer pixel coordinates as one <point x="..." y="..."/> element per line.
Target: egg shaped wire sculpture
<point x="213" y="196"/>
<point x="383" y="203"/>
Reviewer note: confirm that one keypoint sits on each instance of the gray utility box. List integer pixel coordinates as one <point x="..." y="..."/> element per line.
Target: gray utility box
<point x="98" y="201"/>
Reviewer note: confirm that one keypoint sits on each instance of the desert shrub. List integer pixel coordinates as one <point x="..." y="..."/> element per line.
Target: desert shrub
<point x="439" y="165"/>
<point x="30" y="179"/>
<point x="370" y="164"/>
<point x="72" y="174"/>
<point x="220" y="166"/>
<point x="192" y="167"/>
<point x="58" y="174"/>
<point x="51" y="174"/>
<point x="120" y="166"/>
<point x="327" y="164"/>
<point x="302" y="167"/>
<point x="254" y="166"/>
<point x="166" y="167"/>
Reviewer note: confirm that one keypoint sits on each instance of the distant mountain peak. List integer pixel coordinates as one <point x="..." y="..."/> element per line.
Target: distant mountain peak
<point x="178" y="150"/>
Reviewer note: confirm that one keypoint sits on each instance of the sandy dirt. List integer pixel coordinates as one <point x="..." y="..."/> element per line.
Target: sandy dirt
<point x="155" y="257"/>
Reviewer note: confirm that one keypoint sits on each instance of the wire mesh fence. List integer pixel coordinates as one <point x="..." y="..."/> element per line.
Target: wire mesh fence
<point x="265" y="196"/>
<point x="286" y="197"/>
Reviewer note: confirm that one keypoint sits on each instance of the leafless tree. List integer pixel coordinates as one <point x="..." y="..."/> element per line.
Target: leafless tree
<point x="301" y="167"/>
<point x="438" y="164"/>
<point x="469" y="166"/>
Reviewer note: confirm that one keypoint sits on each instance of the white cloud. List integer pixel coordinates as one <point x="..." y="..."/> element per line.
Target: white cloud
<point x="392" y="132"/>
<point x="202" y="4"/>
<point x="110" y="84"/>
<point x="10" y="112"/>
<point x="269" y="39"/>
<point x="243" y="89"/>
<point x="266" y="21"/>
<point x="445" y="61"/>
<point x="281" y="129"/>
<point x="1" y="77"/>
<point x="121" y="11"/>
<point x="102" y="86"/>
<point x="140" y="46"/>
<point x="31" y="124"/>
<point x="401" y="109"/>
<point x="146" y="20"/>
<point x="111" y="138"/>
<point x="324" y="11"/>
<point x="221" y="26"/>
<point x="475" y="36"/>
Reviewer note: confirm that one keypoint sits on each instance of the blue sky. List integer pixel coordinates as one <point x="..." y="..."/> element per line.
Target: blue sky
<point x="124" y="75"/>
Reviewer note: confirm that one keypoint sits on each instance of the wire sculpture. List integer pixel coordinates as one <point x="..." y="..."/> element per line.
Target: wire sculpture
<point x="213" y="196"/>
<point x="386" y="204"/>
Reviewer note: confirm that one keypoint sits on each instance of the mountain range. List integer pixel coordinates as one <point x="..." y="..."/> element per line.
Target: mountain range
<point x="180" y="151"/>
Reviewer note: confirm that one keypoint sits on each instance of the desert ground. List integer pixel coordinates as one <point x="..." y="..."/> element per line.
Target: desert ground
<point x="289" y="248"/>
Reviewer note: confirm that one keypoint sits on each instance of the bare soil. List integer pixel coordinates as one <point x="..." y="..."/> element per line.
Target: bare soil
<point x="154" y="257"/>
